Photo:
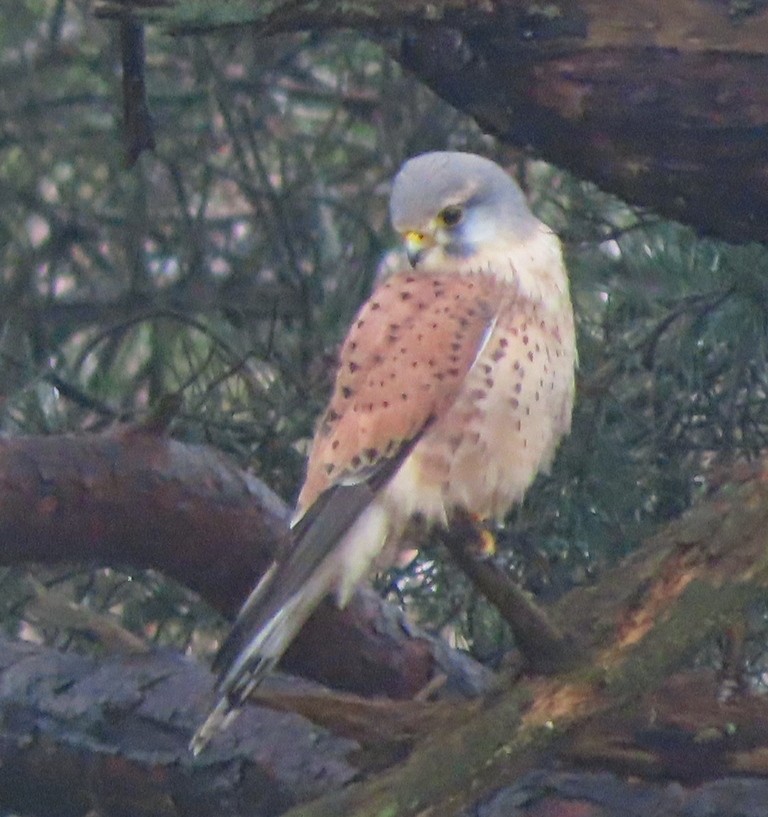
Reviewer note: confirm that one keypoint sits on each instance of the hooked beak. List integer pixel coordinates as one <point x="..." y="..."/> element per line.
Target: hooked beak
<point x="416" y="244"/>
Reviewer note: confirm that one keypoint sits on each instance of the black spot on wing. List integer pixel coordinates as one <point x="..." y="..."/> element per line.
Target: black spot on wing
<point x="313" y="538"/>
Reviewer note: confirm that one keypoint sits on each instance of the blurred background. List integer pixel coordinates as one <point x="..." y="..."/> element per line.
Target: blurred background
<point x="226" y="265"/>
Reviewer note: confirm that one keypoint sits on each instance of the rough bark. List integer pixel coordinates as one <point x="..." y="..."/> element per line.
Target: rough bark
<point x="134" y="498"/>
<point x="663" y="102"/>
<point x="641" y="625"/>
<point x="110" y="737"/>
<point x="112" y="732"/>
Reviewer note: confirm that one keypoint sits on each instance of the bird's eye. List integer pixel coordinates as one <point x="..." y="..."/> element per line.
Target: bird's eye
<point x="450" y="216"/>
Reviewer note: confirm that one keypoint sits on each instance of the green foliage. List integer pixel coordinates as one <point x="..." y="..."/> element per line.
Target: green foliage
<point x="227" y="265"/>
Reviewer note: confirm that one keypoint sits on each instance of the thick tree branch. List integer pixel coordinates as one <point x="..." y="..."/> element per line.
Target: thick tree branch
<point x="640" y="625"/>
<point x="110" y="737"/>
<point x="138" y="499"/>
<point x="643" y="621"/>
<point x="663" y="102"/>
<point x="82" y="736"/>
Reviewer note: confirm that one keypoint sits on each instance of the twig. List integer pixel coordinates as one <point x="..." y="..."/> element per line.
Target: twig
<point x="137" y="120"/>
<point x="546" y="648"/>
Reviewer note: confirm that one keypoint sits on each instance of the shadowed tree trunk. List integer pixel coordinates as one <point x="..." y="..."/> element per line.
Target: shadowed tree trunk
<point x="663" y="102"/>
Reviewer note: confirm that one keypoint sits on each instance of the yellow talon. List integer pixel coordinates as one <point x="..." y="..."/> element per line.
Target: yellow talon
<point x="484" y="545"/>
<point x="487" y="543"/>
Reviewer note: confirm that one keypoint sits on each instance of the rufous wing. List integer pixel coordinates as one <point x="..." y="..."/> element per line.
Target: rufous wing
<point x="401" y="366"/>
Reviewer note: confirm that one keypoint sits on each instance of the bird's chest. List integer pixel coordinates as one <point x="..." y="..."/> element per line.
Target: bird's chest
<point x="505" y="424"/>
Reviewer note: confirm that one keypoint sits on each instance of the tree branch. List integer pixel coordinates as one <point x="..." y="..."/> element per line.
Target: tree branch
<point x="134" y="498"/>
<point x="84" y="736"/>
<point x="640" y="626"/>
<point x="663" y="102"/>
<point x="641" y="623"/>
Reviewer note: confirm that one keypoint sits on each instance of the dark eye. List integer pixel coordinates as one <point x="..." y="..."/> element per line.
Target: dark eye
<point x="450" y="216"/>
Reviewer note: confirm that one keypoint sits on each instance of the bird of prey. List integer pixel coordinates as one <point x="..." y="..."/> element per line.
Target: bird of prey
<point x="454" y="387"/>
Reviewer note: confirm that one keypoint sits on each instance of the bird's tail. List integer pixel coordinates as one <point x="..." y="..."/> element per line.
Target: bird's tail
<point x="333" y="546"/>
<point x="268" y="623"/>
<point x="218" y="718"/>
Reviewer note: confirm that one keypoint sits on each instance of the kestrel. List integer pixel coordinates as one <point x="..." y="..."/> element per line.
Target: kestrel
<point x="455" y="385"/>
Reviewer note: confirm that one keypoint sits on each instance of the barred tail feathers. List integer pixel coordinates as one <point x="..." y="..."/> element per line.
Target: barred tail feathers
<point x="256" y="658"/>
<point x="332" y="553"/>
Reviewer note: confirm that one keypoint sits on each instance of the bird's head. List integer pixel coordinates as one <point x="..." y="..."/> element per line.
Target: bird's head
<point x="450" y="206"/>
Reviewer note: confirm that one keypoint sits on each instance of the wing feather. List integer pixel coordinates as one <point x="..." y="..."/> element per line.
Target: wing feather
<point x="313" y="539"/>
<point x="404" y="361"/>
